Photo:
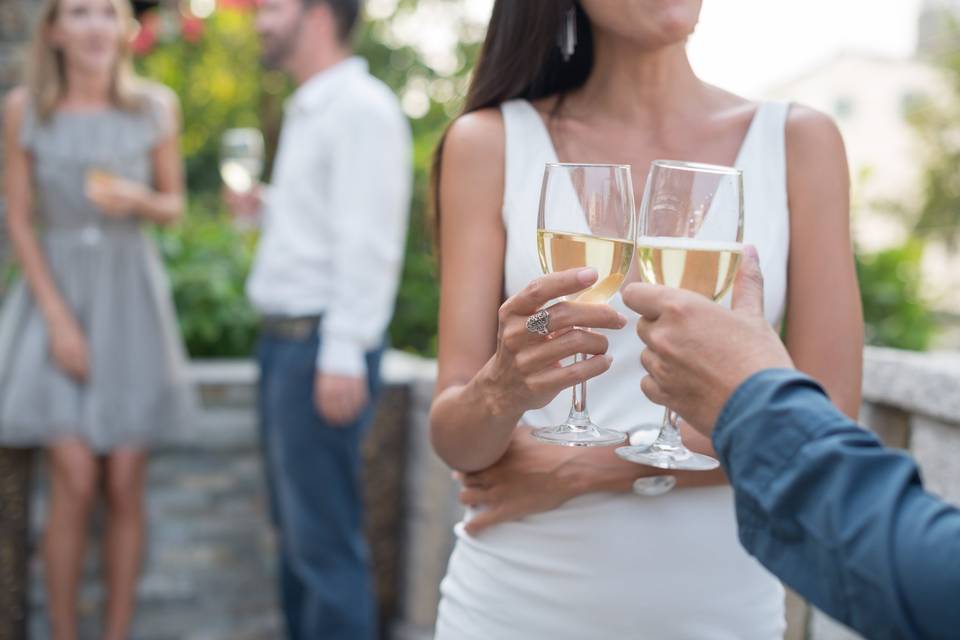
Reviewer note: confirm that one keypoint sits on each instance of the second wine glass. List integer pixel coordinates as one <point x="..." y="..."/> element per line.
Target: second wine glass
<point x="241" y="158"/>
<point x="690" y="235"/>
<point x="586" y="219"/>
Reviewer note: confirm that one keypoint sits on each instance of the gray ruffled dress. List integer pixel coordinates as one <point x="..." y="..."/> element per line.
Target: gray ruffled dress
<point x="111" y="276"/>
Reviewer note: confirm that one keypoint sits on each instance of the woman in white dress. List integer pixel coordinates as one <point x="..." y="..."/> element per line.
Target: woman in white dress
<point x="555" y="544"/>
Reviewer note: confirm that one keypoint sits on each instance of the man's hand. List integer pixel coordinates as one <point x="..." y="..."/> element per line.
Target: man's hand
<point x="339" y="399"/>
<point x="244" y="206"/>
<point x="697" y="352"/>
<point x="530" y="478"/>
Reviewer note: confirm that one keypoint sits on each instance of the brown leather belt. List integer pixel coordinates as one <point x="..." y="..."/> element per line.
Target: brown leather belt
<point x="290" y="327"/>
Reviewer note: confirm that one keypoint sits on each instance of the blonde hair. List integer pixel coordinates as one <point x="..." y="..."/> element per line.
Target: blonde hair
<point x="46" y="68"/>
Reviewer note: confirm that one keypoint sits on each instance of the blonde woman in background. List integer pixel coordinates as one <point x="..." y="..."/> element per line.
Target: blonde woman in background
<point x="91" y="364"/>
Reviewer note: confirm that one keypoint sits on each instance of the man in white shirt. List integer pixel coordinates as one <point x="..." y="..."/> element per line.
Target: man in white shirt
<point x="324" y="280"/>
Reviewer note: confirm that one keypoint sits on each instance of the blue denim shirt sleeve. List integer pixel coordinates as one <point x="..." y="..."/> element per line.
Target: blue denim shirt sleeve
<point x="839" y="518"/>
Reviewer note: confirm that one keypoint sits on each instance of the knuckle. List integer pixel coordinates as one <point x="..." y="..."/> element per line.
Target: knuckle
<point x="523" y="361"/>
<point x="649" y="388"/>
<point x="654" y="338"/>
<point x="675" y="306"/>
<point x="503" y="313"/>
<point x="600" y="343"/>
<point x="535" y="387"/>
<point x="646" y="359"/>
<point x="534" y="289"/>
<point x="510" y="338"/>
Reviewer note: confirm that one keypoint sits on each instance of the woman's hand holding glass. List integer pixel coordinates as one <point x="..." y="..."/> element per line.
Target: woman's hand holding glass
<point x="526" y="372"/>
<point x="114" y="196"/>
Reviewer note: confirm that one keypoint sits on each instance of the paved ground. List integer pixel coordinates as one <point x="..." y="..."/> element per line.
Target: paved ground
<point x="209" y="566"/>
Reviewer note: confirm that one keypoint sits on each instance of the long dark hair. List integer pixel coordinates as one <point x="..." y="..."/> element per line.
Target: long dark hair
<point x="520" y="59"/>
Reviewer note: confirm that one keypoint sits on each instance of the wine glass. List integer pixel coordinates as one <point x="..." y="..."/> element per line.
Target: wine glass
<point x="689" y="237"/>
<point x="586" y="219"/>
<point x="241" y="158"/>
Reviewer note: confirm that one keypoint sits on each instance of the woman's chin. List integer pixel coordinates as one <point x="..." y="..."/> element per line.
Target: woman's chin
<point x="93" y="63"/>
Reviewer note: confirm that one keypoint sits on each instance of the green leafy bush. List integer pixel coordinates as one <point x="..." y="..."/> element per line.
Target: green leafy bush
<point x="894" y="308"/>
<point x="207" y="261"/>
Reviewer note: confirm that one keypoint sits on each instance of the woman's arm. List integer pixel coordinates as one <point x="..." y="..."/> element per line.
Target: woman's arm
<point x="824" y="330"/>
<point x="472" y="248"/>
<point x="67" y="342"/>
<point x="164" y="203"/>
<point x="491" y="369"/>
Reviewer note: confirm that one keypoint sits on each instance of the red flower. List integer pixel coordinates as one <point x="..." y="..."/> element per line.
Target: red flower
<point x="146" y="35"/>
<point x="239" y="5"/>
<point x="191" y="27"/>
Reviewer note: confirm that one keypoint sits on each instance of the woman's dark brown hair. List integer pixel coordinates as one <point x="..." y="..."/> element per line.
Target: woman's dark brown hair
<point x="520" y="59"/>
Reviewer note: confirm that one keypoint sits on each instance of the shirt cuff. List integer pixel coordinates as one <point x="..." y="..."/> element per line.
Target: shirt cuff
<point x="766" y="421"/>
<point x="341" y="357"/>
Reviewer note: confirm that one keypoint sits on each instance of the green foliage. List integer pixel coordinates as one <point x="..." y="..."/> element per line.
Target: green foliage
<point x="207" y="261"/>
<point x="895" y="311"/>
<point x="937" y="123"/>
<point x="218" y="82"/>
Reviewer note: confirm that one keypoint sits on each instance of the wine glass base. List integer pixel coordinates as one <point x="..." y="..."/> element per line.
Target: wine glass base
<point x="570" y="436"/>
<point x="663" y="457"/>
<point x="653" y="486"/>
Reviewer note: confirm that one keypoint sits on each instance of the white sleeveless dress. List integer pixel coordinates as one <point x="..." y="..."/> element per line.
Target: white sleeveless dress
<point x="615" y="565"/>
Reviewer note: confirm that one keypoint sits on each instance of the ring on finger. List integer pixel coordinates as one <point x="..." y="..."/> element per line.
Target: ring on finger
<point x="539" y="323"/>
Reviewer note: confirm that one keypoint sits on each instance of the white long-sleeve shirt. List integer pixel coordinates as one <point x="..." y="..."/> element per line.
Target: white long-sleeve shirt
<point x="335" y="217"/>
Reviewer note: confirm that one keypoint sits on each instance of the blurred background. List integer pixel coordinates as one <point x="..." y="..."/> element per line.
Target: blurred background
<point x="888" y="71"/>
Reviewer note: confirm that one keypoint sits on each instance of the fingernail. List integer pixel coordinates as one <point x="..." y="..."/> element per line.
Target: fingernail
<point x="623" y="320"/>
<point x="587" y="276"/>
<point x="609" y="359"/>
<point x="750" y="251"/>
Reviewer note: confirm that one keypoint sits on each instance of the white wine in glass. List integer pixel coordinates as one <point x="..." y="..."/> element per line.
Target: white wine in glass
<point x="706" y="267"/>
<point x="689" y="237"/>
<point x="586" y="219"/>
<point x="611" y="258"/>
<point x="241" y="159"/>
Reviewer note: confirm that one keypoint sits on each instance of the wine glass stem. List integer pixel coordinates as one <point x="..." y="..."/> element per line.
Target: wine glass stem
<point x="578" y="411"/>
<point x="670" y="431"/>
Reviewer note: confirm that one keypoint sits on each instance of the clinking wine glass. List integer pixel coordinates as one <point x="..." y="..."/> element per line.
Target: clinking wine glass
<point x="690" y="237"/>
<point x="586" y="219"/>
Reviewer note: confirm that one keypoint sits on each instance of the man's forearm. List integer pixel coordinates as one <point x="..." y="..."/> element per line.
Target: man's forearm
<point x="841" y="519"/>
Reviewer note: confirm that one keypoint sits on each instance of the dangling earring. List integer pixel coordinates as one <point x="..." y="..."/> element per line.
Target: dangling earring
<point x="567" y="37"/>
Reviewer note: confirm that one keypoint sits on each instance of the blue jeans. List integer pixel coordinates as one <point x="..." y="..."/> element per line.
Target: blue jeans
<point x="316" y="498"/>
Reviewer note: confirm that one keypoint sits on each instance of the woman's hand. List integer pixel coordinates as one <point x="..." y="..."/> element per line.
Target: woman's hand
<point x="526" y="371"/>
<point x="68" y="346"/>
<point x="116" y="197"/>
<point x="531" y="477"/>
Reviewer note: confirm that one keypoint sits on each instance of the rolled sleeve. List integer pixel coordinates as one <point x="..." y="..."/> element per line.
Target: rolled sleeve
<point x="836" y="515"/>
<point x="371" y="185"/>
